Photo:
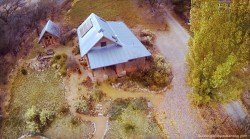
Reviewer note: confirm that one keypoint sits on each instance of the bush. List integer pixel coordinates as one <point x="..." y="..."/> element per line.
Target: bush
<point x="60" y="60"/>
<point x="147" y="37"/>
<point x="157" y="77"/>
<point x="64" y="109"/>
<point x="76" y="50"/>
<point x="35" y="121"/>
<point x="46" y="117"/>
<point x="57" y="57"/>
<point x="81" y="106"/>
<point x="24" y="71"/>
<point x="129" y="128"/>
<point x="98" y="95"/>
<point x="32" y="127"/>
<point x="31" y="114"/>
<point x="74" y="121"/>
<point x="139" y="104"/>
<point x="119" y="104"/>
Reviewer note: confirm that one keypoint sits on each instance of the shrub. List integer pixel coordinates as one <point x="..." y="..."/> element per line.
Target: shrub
<point x="24" y="71"/>
<point x="31" y="114"/>
<point x="76" y="50"/>
<point x="60" y="61"/>
<point x="157" y="77"/>
<point x="111" y="80"/>
<point x="74" y="121"/>
<point x="57" y="57"/>
<point x="139" y="104"/>
<point x="98" y="95"/>
<point x="46" y="117"/>
<point x="32" y="127"/>
<point x="81" y="106"/>
<point x="129" y="128"/>
<point x="116" y="108"/>
<point x="64" y="109"/>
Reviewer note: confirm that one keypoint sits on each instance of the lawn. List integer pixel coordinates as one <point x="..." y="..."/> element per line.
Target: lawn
<point x="124" y="10"/>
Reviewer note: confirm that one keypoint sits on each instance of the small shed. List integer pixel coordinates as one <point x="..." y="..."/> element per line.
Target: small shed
<point x="50" y="34"/>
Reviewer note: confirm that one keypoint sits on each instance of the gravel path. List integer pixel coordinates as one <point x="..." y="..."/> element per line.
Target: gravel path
<point x="182" y="120"/>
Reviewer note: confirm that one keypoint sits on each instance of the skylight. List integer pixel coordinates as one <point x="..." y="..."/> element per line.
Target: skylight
<point x="86" y="27"/>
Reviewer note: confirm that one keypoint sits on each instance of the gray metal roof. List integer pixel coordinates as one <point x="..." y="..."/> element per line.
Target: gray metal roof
<point x="51" y="28"/>
<point x="126" y="47"/>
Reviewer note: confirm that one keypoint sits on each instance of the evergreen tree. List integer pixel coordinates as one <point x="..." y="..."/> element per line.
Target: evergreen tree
<point x="219" y="50"/>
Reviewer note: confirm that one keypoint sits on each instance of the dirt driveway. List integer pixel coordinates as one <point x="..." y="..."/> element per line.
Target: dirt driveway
<point x="182" y="120"/>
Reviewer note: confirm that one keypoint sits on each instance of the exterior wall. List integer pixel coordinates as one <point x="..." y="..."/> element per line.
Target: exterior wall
<point x="118" y="70"/>
<point x="103" y="40"/>
<point x="50" y="41"/>
<point x="134" y="65"/>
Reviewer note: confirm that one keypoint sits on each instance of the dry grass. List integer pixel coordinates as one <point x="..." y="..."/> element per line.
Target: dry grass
<point x="125" y="10"/>
<point x="69" y="129"/>
<point x="43" y="90"/>
<point x="129" y="120"/>
<point x="37" y="48"/>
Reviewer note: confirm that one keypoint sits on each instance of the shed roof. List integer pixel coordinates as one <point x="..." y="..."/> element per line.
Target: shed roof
<point x="125" y="47"/>
<point x="51" y="28"/>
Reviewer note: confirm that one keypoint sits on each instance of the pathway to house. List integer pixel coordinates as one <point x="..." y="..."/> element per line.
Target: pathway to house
<point x="182" y="120"/>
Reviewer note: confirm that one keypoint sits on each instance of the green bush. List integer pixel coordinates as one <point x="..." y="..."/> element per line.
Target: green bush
<point x="24" y="71"/>
<point x="61" y="60"/>
<point x="32" y="127"/>
<point x="157" y="77"/>
<point x="81" y="106"/>
<point x="31" y="114"/>
<point x="36" y="121"/>
<point x="46" y="117"/>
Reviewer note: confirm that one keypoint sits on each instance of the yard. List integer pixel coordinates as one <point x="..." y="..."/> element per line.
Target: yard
<point x="124" y="10"/>
<point x="44" y="90"/>
<point x="47" y="90"/>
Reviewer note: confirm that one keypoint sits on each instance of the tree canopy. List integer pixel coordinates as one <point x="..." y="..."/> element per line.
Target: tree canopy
<point x="219" y="50"/>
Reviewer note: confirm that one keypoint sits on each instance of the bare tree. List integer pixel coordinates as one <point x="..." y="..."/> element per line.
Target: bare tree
<point x="9" y="7"/>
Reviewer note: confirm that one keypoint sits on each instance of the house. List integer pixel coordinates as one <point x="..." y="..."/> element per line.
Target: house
<point x="50" y="34"/>
<point x="110" y="48"/>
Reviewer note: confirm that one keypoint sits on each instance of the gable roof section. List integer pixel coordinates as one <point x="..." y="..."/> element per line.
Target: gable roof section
<point x="51" y="28"/>
<point x="99" y="30"/>
<point x="131" y="49"/>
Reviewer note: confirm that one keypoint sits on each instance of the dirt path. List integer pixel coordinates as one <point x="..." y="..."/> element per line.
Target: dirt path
<point x="182" y="120"/>
<point x="72" y="94"/>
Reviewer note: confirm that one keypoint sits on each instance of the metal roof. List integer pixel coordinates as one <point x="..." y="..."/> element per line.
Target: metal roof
<point x="51" y="28"/>
<point x="125" y="47"/>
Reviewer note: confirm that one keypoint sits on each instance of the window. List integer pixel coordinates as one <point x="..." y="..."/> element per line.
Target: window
<point x="103" y="44"/>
